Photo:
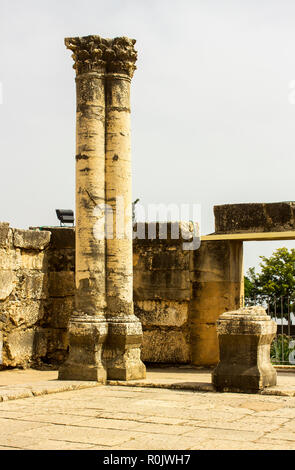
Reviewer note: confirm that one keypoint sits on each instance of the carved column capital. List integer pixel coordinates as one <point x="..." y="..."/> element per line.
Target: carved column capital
<point x="88" y="53"/>
<point x="96" y="54"/>
<point x="121" y="56"/>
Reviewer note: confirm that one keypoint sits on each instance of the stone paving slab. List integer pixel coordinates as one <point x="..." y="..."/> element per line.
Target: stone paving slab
<point x="17" y="384"/>
<point x="138" y="418"/>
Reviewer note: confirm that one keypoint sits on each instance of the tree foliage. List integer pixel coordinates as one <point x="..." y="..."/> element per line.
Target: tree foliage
<point x="277" y="276"/>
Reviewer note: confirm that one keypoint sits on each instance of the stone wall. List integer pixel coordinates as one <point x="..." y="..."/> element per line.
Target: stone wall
<point x="162" y="292"/>
<point x="178" y="295"/>
<point x="23" y="294"/>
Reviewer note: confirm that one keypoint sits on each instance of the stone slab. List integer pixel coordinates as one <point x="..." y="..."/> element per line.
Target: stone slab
<point x="255" y="217"/>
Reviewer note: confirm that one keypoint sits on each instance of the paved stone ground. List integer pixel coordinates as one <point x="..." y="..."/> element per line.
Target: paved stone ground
<point x="117" y="417"/>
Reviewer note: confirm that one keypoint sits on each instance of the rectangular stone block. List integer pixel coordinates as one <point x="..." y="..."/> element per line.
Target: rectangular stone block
<point x="165" y="346"/>
<point x="20" y="347"/>
<point x="161" y="313"/>
<point x="59" y="310"/>
<point x="8" y="281"/>
<point x="10" y="259"/>
<point x="33" y="285"/>
<point x="24" y="312"/>
<point x="61" y="237"/>
<point x="61" y="284"/>
<point x="161" y="284"/>
<point x="31" y="239"/>
<point x="34" y="260"/>
<point x="255" y="217"/>
<point x="4" y="234"/>
<point x="204" y="341"/>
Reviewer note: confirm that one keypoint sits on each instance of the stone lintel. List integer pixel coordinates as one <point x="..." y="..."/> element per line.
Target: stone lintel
<point x="255" y="217"/>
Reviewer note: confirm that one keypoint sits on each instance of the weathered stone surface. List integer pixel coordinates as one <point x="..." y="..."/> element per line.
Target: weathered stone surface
<point x="84" y="362"/>
<point x="61" y="284"/>
<point x="217" y="286"/>
<point x="59" y="310"/>
<point x="32" y="285"/>
<point x="23" y="346"/>
<point x="36" y="260"/>
<point x="166" y="346"/>
<point x="61" y="238"/>
<point x="122" y="350"/>
<point x="4" y="234"/>
<point x="25" y="312"/>
<point x="255" y="217"/>
<point x="161" y="313"/>
<point x="57" y="345"/>
<point x="31" y="239"/>
<point x="7" y="283"/>
<point x="245" y="336"/>
<point x="10" y="259"/>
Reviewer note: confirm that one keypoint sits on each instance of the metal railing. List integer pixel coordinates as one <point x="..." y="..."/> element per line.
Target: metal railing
<point x="282" y="311"/>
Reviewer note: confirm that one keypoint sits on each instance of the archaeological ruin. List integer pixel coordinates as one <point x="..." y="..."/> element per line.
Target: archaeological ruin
<point x="101" y="305"/>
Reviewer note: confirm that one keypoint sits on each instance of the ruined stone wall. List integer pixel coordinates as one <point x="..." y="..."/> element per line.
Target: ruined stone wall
<point x="36" y="294"/>
<point x="178" y="295"/>
<point x="162" y="291"/>
<point x="23" y="294"/>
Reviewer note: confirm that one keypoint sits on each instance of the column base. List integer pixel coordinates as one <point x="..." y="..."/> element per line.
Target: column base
<point x="87" y="338"/>
<point x="123" y="348"/>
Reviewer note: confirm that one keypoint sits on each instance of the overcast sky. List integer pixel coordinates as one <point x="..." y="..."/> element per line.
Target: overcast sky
<point x="212" y="121"/>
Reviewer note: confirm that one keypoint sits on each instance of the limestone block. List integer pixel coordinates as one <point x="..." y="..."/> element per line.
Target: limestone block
<point x="255" y="217"/>
<point x="31" y="239"/>
<point x="165" y="346"/>
<point x="61" y="283"/>
<point x="7" y="283"/>
<point x="20" y="347"/>
<point x="123" y="349"/>
<point x="204" y="344"/>
<point x="161" y="284"/>
<point x="33" y="260"/>
<point x="161" y="312"/>
<point x="58" y="340"/>
<point x="25" y="312"/>
<point x="245" y="336"/>
<point x="211" y="299"/>
<point x="86" y="339"/>
<point x="4" y="234"/>
<point x="59" y="310"/>
<point x="33" y="285"/>
<point x="61" y="237"/>
<point x="61" y="260"/>
<point x="10" y="259"/>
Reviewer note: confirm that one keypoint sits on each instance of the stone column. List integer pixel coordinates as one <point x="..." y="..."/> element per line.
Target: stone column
<point x="88" y="327"/>
<point x="124" y="329"/>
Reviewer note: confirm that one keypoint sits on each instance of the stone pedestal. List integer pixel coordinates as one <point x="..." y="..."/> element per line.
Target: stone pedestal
<point x="245" y="336"/>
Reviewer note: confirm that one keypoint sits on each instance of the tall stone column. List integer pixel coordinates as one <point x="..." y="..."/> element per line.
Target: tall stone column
<point x="88" y="327"/>
<point x="124" y="329"/>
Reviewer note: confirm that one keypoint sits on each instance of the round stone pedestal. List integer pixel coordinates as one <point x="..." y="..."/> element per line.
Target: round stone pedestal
<point x="245" y="336"/>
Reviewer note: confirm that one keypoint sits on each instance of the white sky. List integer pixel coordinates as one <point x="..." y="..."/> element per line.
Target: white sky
<point x="212" y="121"/>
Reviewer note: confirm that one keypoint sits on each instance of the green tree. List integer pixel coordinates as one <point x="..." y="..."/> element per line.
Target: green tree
<point x="277" y="276"/>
